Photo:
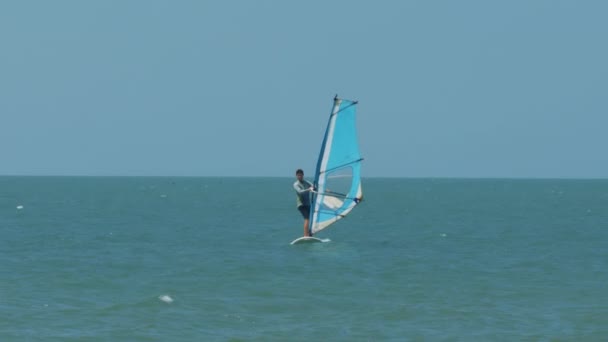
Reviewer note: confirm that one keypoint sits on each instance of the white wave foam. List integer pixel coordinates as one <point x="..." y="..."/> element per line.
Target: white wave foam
<point x="166" y="298"/>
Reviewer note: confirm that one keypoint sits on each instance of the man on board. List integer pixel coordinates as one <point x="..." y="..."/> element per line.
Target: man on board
<point x="303" y="189"/>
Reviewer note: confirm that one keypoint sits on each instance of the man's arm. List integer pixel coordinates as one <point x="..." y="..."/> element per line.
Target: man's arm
<point x="311" y="187"/>
<point x="300" y="190"/>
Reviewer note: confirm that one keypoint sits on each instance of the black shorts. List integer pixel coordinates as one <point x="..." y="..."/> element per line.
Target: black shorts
<point x="305" y="211"/>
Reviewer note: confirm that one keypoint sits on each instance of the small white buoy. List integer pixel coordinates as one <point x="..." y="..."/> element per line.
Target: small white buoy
<point x="443" y="235"/>
<point x="166" y="298"/>
<point x="19" y="207"/>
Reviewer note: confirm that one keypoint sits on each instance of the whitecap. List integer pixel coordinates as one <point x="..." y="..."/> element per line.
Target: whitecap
<point x="166" y="298"/>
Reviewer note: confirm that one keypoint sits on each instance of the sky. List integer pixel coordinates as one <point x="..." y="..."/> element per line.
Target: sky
<point x="514" y="89"/>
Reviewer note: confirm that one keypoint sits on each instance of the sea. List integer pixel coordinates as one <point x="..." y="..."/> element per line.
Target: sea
<point x="209" y="259"/>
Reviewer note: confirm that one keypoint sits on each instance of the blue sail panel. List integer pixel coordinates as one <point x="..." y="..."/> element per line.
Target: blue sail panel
<point x="338" y="173"/>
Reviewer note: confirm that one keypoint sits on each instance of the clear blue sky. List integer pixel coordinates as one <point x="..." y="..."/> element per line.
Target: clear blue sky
<point x="236" y="88"/>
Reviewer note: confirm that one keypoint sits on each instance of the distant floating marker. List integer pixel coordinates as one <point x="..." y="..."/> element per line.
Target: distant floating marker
<point x="19" y="207"/>
<point x="443" y="235"/>
<point x="166" y="298"/>
<point x="163" y="196"/>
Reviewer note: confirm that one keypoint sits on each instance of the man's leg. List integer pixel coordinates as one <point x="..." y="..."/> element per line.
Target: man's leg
<point x="306" y="227"/>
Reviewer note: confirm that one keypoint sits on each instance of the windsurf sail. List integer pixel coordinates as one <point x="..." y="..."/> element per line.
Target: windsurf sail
<point x="338" y="175"/>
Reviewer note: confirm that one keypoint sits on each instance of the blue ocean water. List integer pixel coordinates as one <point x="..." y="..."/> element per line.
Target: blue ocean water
<point x="208" y="259"/>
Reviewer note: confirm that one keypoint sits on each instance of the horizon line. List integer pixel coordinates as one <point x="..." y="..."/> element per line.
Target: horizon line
<point x="363" y="177"/>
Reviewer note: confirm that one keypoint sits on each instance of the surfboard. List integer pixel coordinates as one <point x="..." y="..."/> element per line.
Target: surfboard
<point x="308" y="239"/>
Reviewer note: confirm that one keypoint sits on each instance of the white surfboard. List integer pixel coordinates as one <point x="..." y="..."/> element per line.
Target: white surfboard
<point x="308" y="239"/>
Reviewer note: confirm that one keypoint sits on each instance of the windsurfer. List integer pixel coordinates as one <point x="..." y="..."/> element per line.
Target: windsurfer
<point x="303" y="189"/>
